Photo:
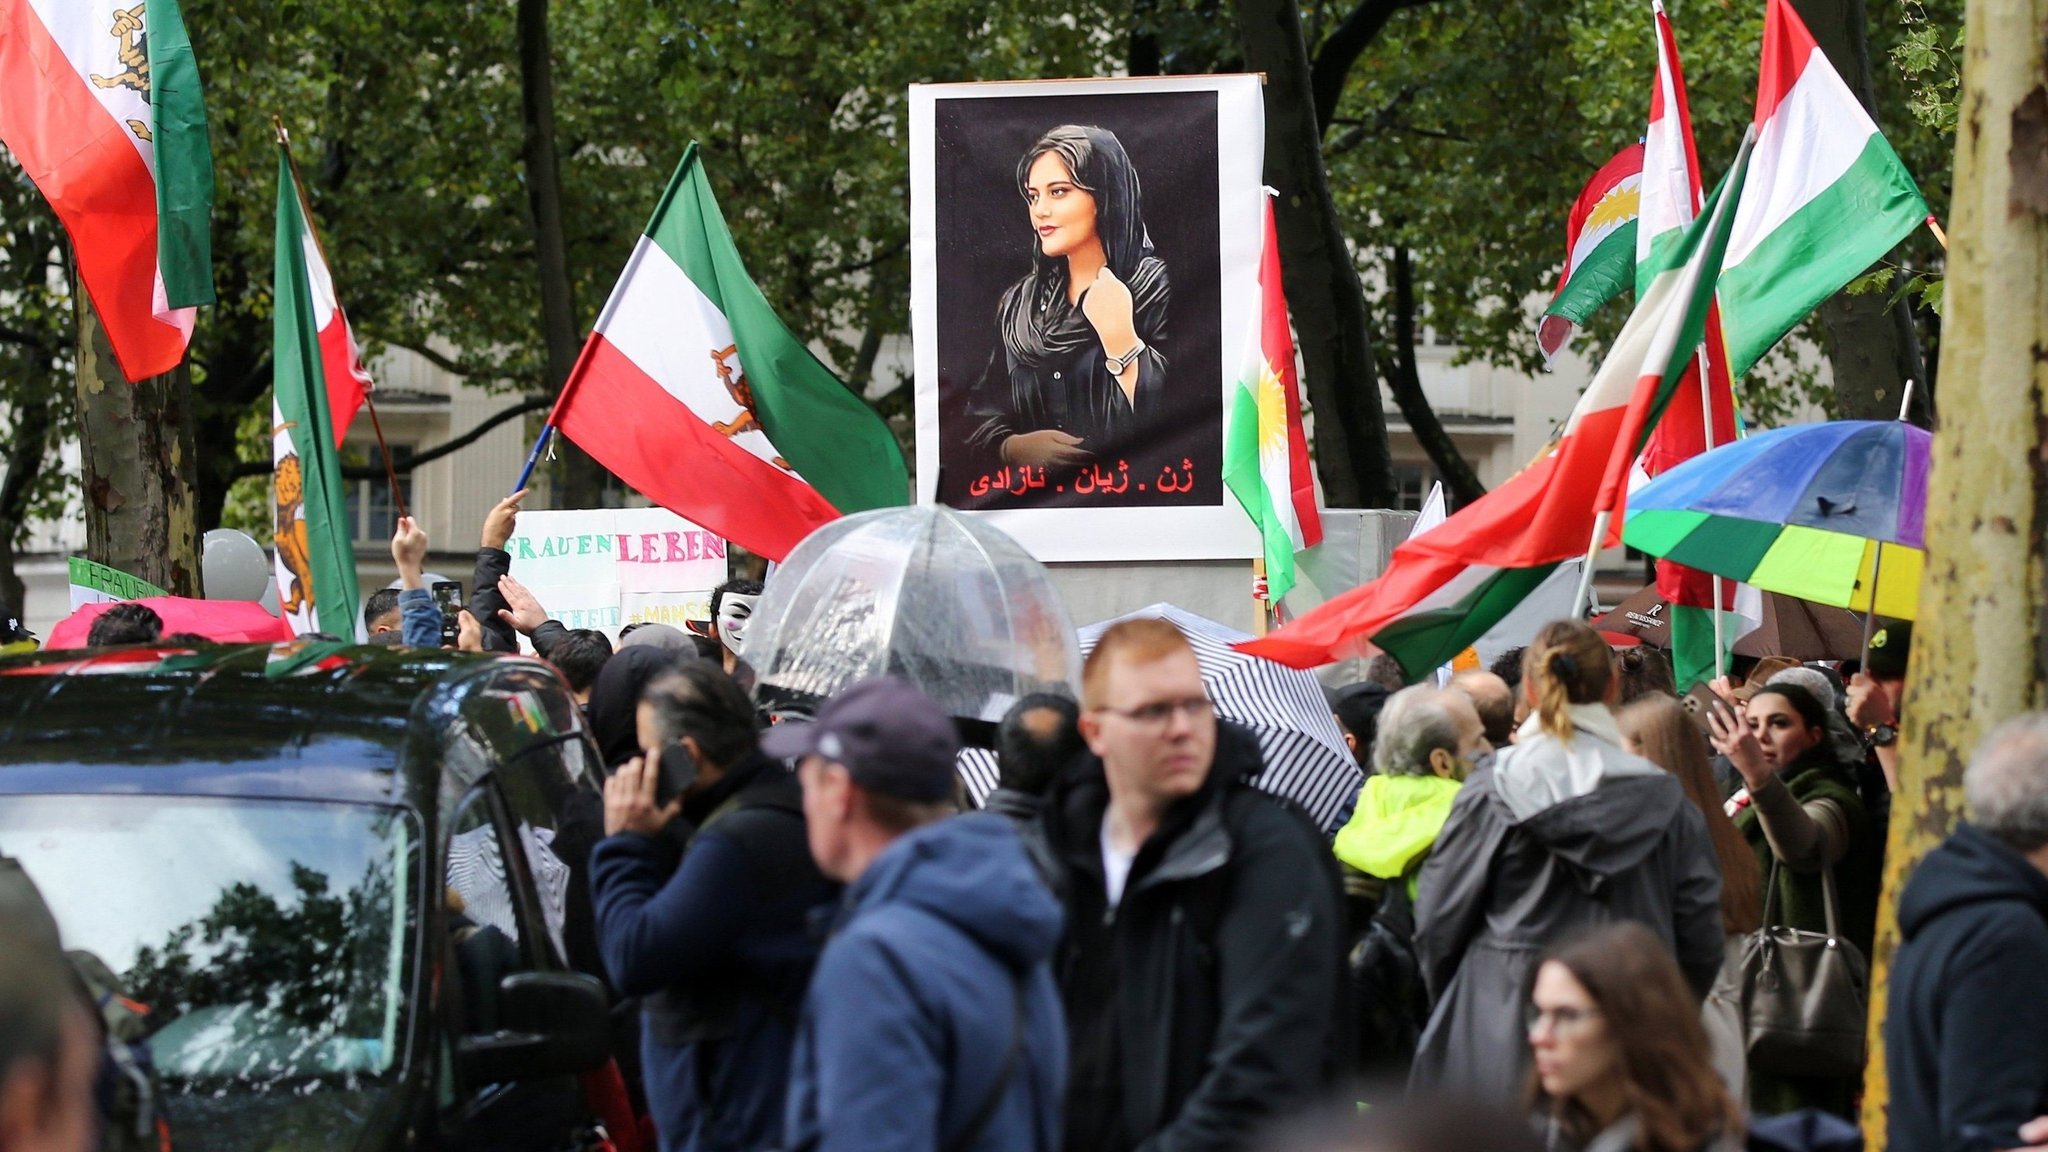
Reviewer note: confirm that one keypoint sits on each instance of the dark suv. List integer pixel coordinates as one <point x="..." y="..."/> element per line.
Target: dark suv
<point x="342" y="887"/>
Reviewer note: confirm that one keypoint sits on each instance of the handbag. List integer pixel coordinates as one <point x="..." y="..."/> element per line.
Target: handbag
<point x="1805" y="995"/>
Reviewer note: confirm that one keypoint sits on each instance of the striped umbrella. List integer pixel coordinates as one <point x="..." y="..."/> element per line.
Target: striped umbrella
<point x="1306" y="760"/>
<point x="1823" y="512"/>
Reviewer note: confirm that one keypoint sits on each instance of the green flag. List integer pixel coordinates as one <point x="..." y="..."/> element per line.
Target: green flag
<point x="316" y="564"/>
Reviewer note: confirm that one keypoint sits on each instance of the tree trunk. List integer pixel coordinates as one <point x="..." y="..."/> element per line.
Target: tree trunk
<point x="27" y="452"/>
<point x="140" y="483"/>
<point x="1870" y="344"/>
<point x="1981" y="655"/>
<point x="1321" y="282"/>
<point x="578" y="480"/>
<point x="1406" y="382"/>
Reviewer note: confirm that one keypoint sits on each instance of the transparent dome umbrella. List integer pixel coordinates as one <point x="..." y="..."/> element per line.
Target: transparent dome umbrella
<point x="947" y="602"/>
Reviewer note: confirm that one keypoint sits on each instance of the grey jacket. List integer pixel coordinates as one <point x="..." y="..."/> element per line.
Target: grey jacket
<point x="1553" y="840"/>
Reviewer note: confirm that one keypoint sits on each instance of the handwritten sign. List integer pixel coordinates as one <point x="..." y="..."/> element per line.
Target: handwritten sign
<point x="98" y="584"/>
<point x="607" y="568"/>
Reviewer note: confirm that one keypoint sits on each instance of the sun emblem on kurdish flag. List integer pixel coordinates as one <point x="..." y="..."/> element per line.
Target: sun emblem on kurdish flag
<point x="1619" y="206"/>
<point x="1271" y="399"/>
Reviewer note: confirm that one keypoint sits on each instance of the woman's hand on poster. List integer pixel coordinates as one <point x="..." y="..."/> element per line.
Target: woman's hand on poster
<point x="1048" y="447"/>
<point x="1733" y="739"/>
<point x="1108" y="308"/>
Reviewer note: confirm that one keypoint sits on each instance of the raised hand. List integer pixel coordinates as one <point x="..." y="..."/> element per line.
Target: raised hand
<point x="409" y="551"/>
<point x="1108" y="307"/>
<point x="1733" y="739"/>
<point x="523" y="612"/>
<point x="502" y="519"/>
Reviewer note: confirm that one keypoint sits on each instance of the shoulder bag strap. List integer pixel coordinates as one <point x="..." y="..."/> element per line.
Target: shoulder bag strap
<point x="987" y="1112"/>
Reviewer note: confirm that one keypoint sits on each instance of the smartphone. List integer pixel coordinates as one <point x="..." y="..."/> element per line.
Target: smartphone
<point x="448" y="596"/>
<point x="674" y="771"/>
<point x="1702" y="702"/>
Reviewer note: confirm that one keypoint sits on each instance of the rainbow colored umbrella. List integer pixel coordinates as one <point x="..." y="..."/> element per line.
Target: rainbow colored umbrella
<point x="1801" y="511"/>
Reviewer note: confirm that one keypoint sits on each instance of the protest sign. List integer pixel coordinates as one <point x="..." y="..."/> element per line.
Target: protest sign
<point x="98" y="584"/>
<point x="1087" y="425"/>
<point x="611" y="567"/>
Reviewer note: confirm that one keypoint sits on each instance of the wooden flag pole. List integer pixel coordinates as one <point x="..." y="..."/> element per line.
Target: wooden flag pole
<point x="1262" y="606"/>
<point x="1934" y="226"/>
<point x="284" y="140"/>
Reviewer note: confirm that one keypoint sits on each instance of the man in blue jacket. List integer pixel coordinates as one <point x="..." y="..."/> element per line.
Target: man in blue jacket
<point x="932" y="1023"/>
<point x="717" y="943"/>
<point x="1966" y="1033"/>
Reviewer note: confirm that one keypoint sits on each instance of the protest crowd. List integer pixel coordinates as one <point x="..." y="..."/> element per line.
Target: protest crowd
<point x="1545" y="920"/>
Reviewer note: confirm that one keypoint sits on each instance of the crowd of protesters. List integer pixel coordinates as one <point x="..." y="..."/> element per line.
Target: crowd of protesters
<point x="1541" y="926"/>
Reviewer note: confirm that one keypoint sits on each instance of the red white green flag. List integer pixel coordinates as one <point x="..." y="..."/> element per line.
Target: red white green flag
<point x="1600" y="249"/>
<point x="1265" y="452"/>
<point x="316" y="564"/>
<point x="1451" y="585"/>
<point x="1827" y="198"/>
<point x="693" y="391"/>
<point x="100" y="103"/>
<point x="1697" y="418"/>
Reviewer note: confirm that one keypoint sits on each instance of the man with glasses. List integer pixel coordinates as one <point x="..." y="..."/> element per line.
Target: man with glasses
<point x="1201" y="964"/>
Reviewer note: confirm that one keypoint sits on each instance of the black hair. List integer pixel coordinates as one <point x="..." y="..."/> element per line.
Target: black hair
<point x="1810" y="711"/>
<point x="1508" y="666"/>
<point x="579" y="655"/>
<point x="185" y="639"/>
<point x="697" y="699"/>
<point x="125" y="623"/>
<point x="379" y="604"/>
<point x="1098" y="164"/>
<point x="1030" y="752"/>
<point x="738" y="586"/>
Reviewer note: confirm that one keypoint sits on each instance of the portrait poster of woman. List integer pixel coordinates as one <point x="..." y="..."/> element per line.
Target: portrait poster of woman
<point x="1074" y="246"/>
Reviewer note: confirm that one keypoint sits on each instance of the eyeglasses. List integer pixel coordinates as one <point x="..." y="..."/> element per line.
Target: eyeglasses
<point x="1160" y="713"/>
<point x="1561" y="1020"/>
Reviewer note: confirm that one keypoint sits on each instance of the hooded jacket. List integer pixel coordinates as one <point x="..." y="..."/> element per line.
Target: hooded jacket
<point x="1210" y="999"/>
<point x="1966" y="1031"/>
<point x="1553" y="839"/>
<point x="913" y="1010"/>
<point x="1393" y="825"/>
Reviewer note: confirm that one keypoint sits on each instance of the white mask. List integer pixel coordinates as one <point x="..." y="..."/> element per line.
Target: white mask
<point x="734" y="610"/>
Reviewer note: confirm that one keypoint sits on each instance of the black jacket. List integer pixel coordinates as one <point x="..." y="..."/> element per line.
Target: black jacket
<point x="1966" y="1029"/>
<point x="1209" y="1000"/>
<point x="719" y="944"/>
<point x="485" y="600"/>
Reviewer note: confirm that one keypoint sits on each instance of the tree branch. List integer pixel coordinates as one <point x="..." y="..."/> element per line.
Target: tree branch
<point x="444" y="363"/>
<point x="1405" y="380"/>
<point x="244" y="468"/>
<point x="1348" y="41"/>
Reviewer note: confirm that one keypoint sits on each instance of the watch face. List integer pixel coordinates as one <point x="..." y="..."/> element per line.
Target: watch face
<point x="1884" y="735"/>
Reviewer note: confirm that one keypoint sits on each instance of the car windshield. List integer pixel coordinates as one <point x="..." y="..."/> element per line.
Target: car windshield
<point x="256" y="952"/>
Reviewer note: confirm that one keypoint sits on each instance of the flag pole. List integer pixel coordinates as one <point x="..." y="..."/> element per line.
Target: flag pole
<point x="1707" y="442"/>
<point x="284" y="141"/>
<point x="1580" y="603"/>
<point x="1934" y="226"/>
<point x="1877" y="556"/>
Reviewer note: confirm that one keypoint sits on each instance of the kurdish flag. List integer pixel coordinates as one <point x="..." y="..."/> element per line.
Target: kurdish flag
<point x="1600" y="249"/>
<point x="316" y="565"/>
<point x="1828" y="196"/>
<point x="100" y="103"/>
<point x="693" y="391"/>
<point x="1449" y="586"/>
<point x="1699" y="418"/>
<point x="1265" y="453"/>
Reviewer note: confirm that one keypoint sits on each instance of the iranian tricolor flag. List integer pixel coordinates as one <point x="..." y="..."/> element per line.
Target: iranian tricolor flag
<point x="1265" y="453"/>
<point x="1698" y="418"/>
<point x="1828" y="197"/>
<point x="1449" y="586"/>
<point x="100" y="103"/>
<point x="693" y="391"/>
<point x="1600" y="249"/>
<point x="316" y="565"/>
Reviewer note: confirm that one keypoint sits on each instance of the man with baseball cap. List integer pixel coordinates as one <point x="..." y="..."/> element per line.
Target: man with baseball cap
<point x="932" y="1021"/>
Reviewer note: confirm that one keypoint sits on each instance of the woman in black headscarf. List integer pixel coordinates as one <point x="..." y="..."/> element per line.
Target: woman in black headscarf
<point x="1083" y="334"/>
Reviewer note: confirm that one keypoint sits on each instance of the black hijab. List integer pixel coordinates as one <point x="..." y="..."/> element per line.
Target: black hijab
<point x="1038" y="325"/>
<point x="615" y="698"/>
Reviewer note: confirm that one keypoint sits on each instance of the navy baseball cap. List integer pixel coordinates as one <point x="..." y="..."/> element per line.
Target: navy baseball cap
<point x="892" y="738"/>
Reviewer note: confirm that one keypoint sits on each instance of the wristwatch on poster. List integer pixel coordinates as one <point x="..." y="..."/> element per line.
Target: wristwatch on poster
<point x="1117" y="364"/>
<point x="1882" y="735"/>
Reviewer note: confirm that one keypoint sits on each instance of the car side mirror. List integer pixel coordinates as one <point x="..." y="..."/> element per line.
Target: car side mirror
<point x="551" y="1024"/>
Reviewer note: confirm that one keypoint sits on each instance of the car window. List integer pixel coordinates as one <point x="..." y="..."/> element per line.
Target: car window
<point x="559" y="818"/>
<point x="484" y="920"/>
